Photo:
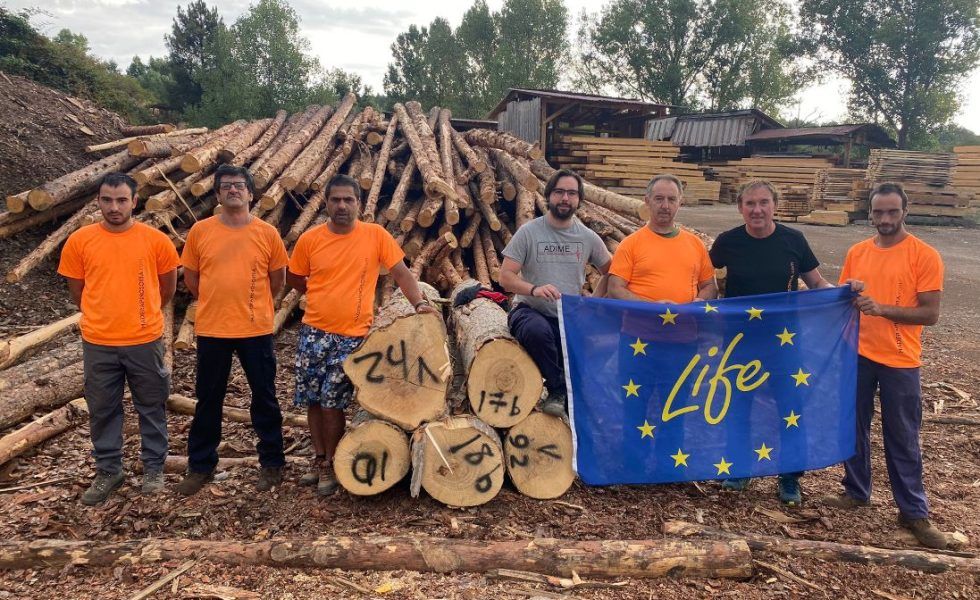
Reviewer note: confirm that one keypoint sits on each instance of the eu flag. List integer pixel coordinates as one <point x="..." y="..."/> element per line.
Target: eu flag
<point x="737" y="387"/>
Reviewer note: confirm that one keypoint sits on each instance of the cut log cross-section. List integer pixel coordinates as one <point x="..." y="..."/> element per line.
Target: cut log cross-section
<point x="372" y="456"/>
<point x="538" y="455"/>
<point x="503" y="383"/>
<point x="458" y="461"/>
<point x="402" y="371"/>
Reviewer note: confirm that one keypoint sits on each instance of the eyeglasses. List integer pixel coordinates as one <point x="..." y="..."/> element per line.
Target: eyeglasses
<point x="567" y="193"/>
<point x="227" y="185"/>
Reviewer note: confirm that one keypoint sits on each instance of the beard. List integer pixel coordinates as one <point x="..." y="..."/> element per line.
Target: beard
<point x="562" y="212"/>
<point x="888" y="228"/>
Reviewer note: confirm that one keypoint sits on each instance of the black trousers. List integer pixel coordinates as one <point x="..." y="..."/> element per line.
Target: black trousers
<point x="258" y="359"/>
<point x="541" y="337"/>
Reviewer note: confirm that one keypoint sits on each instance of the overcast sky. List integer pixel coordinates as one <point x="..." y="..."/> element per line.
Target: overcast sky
<point x="354" y="39"/>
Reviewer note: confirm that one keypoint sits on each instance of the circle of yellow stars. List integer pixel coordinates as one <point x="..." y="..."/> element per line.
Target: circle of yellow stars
<point x="763" y="452"/>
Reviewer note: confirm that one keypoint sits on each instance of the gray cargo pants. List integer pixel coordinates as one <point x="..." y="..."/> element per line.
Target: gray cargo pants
<point x="106" y="368"/>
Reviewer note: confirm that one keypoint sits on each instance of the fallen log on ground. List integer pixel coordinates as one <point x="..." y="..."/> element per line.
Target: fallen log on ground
<point x="590" y="558"/>
<point x="919" y="560"/>
<point x="38" y="367"/>
<point x="186" y="406"/>
<point x="42" y="429"/>
<point x="12" y="349"/>
<point x="50" y="391"/>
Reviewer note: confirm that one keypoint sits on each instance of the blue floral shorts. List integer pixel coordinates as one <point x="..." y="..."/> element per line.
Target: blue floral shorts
<point x="320" y="377"/>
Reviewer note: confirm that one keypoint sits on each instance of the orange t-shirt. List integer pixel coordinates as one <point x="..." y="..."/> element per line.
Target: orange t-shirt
<point x="893" y="276"/>
<point x="343" y="272"/>
<point x="661" y="268"/>
<point x="234" y="294"/>
<point x="121" y="297"/>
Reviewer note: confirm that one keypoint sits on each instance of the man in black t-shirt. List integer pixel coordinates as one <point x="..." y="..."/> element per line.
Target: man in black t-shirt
<point x="764" y="257"/>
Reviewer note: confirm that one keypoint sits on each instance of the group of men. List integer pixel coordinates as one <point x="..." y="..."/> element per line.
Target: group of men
<point x="121" y="273"/>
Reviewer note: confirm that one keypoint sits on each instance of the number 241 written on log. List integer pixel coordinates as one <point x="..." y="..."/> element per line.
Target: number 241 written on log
<point x="387" y="360"/>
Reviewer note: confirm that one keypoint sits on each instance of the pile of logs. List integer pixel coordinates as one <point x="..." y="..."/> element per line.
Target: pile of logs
<point x="452" y="199"/>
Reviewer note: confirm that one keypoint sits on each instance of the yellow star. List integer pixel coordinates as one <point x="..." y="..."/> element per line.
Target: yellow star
<point x="755" y="313"/>
<point x="668" y="317"/>
<point x="791" y="420"/>
<point x="708" y="308"/>
<point x="638" y="347"/>
<point x="631" y="389"/>
<point x="646" y="430"/>
<point x="801" y="378"/>
<point x="680" y="458"/>
<point x="723" y="466"/>
<point x="785" y="337"/>
<point x="763" y="452"/>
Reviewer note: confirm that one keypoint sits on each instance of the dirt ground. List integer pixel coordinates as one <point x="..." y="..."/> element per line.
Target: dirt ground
<point x="230" y="508"/>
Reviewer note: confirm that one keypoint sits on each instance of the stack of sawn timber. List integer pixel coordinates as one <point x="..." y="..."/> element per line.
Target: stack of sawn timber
<point x="927" y="178"/>
<point x="966" y="176"/>
<point x="625" y="165"/>
<point x="452" y="200"/>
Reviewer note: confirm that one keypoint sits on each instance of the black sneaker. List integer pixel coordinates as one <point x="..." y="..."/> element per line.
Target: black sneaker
<point x="269" y="477"/>
<point x="103" y="485"/>
<point x="193" y="482"/>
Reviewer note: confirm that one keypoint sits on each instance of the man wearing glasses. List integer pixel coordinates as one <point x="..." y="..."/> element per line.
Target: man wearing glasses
<point x="234" y="264"/>
<point x="545" y="259"/>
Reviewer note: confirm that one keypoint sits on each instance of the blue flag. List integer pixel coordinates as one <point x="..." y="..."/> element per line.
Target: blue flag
<point x="736" y="387"/>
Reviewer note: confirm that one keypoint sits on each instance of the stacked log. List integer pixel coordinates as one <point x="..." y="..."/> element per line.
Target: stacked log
<point x="441" y="193"/>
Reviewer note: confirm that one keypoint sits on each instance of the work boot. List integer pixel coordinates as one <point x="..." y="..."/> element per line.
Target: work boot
<point x="152" y="482"/>
<point x="269" y="477"/>
<point x="928" y="534"/>
<point x="312" y="476"/>
<point x="554" y="405"/>
<point x="738" y="484"/>
<point x="789" y="490"/>
<point x="327" y="482"/>
<point x="103" y="485"/>
<point x="193" y="482"/>
<point x="844" y="501"/>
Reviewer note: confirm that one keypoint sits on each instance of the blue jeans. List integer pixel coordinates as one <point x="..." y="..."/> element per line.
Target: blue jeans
<point x="901" y="419"/>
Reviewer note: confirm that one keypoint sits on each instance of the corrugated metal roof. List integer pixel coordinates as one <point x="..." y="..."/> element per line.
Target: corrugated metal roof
<point x="873" y="131"/>
<point x="710" y="129"/>
<point x="660" y="129"/>
<point x="612" y="101"/>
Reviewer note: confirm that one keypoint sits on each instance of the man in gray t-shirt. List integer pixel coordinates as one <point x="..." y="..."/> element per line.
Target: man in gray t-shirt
<point x="545" y="259"/>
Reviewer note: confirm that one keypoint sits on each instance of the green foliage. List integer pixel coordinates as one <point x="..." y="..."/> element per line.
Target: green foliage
<point x="155" y="76"/>
<point x="710" y="54"/>
<point x="905" y="58"/>
<point x="468" y="70"/>
<point x="191" y="44"/>
<point x="65" y="65"/>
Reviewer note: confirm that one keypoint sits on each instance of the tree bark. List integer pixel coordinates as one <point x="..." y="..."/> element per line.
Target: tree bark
<point x="587" y="558"/>
<point x="42" y="429"/>
<point x="302" y="222"/>
<point x="918" y="560"/>
<point x="318" y="149"/>
<point x="249" y="134"/>
<point x="82" y="181"/>
<point x="50" y="391"/>
<point x="487" y="138"/>
<point x="293" y="124"/>
<point x="473" y="160"/>
<point x="295" y="143"/>
<point x="372" y="456"/>
<point x="137" y="130"/>
<point x="206" y="156"/>
<point x="401" y="371"/>
<point x="13" y="349"/>
<point x="38" y="367"/>
<point x="502" y="382"/>
<point x="521" y="174"/>
<point x="343" y="152"/>
<point x="50" y="243"/>
<point x="379" y="171"/>
<point x="434" y="184"/>
<point x="493" y="261"/>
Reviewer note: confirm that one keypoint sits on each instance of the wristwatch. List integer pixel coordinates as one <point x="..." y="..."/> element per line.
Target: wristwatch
<point x="419" y="303"/>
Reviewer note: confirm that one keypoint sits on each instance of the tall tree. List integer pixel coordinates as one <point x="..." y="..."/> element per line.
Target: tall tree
<point x="469" y="69"/>
<point x="66" y="37"/>
<point x="188" y="42"/>
<point x="905" y="59"/>
<point x="716" y="54"/>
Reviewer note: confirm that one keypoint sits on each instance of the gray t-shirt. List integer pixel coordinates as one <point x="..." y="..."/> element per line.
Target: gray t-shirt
<point x="555" y="256"/>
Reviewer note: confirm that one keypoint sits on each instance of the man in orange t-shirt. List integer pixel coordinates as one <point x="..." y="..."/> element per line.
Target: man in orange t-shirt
<point x="234" y="264"/>
<point x="661" y="262"/>
<point x="120" y="274"/>
<point x="901" y="278"/>
<point x="337" y="266"/>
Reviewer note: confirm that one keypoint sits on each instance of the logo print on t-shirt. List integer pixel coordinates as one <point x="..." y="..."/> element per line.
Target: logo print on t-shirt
<point x="560" y="252"/>
<point x="141" y="292"/>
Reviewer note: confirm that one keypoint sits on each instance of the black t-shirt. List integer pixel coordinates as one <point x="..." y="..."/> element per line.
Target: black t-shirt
<point x="762" y="266"/>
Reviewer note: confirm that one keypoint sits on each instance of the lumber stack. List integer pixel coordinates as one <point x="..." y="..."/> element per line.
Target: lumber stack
<point x="927" y="178"/>
<point x="794" y="201"/>
<point x="792" y="176"/>
<point x="625" y="165"/>
<point x="966" y="176"/>
<point x="841" y="189"/>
